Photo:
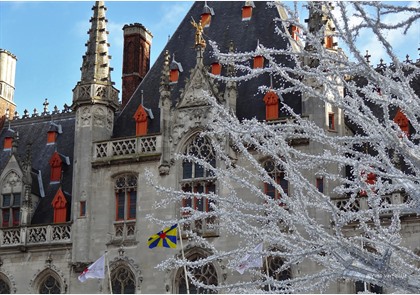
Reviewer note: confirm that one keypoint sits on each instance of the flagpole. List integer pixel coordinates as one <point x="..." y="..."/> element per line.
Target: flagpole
<point x="109" y="273"/>
<point x="266" y="267"/>
<point x="183" y="257"/>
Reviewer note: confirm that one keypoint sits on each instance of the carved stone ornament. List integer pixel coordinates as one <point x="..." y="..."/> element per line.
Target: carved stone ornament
<point x="12" y="182"/>
<point x="99" y="116"/>
<point x="110" y="119"/>
<point x="84" y="117"/>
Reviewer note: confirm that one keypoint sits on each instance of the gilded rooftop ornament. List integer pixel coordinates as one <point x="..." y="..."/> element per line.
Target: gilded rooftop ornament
<point x="199" y="40"/>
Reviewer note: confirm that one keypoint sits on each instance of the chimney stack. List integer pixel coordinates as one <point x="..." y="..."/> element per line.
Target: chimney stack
<point x="136" y="58"/>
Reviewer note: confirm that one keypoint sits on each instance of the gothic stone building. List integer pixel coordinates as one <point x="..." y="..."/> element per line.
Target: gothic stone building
<point x="72" y="181"/>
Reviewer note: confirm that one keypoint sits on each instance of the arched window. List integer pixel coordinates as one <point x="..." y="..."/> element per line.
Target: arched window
<point x="278" y="175"/>
<point x="198" y="179"/>
<point x="123" y="281"/>
<point x="11" y="199"/>
<point x="275" y="271"/>
<point x="125" y="197"/>
<point x="50" y="285"/>
<point x="4" y="287"/>
<point x="205" y="274"/>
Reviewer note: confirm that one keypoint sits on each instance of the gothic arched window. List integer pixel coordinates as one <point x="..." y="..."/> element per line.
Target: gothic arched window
<point x="278" y="175"/>
<point x="50" y="285"/>
<point x="11" y="200"/>
<point x="198" y="180"/>
<point x="205" y="274"/>
<point x="123" y="281"/>
<point x="4" y="287"/>
<point x="274" y="270"/>
<point x="126" y="197"/>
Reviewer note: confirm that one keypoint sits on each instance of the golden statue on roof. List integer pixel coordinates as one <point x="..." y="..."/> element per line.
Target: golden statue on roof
<point x="199" y="40"/>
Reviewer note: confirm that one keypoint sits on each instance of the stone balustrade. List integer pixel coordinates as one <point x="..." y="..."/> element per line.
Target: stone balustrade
<point x="127" y="147"/>
<point x="35" y="235"/>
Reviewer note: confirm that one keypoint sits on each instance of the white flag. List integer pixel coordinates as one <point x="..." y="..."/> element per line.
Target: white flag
<point x="251" y="260"/>
<point x="95" y="271"/>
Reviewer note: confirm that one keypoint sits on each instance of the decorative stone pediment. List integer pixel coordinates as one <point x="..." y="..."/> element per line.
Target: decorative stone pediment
<point x="196" y="89"/>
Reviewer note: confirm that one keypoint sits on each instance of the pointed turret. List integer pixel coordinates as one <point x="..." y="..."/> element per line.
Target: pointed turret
<point x="95" y="85"/>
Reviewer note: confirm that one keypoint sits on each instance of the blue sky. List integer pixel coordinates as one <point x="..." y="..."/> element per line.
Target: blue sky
<point x="49" y="39"/>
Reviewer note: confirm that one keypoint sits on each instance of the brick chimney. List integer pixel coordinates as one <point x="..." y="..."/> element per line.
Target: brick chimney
<point x="136" y="58"/>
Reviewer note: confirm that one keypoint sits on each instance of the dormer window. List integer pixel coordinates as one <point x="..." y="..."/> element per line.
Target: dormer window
<point x="206" y="15"/>
<point x="8" y="143"/>
<point x="141" y="121"/>
<point x="247" y="10"/>
<point x="329" y="42"/>
<point x="51" y="137"/>
<point x="175" y="69"/>
<point x="294" y="32"/>
<point x="216" y="68"/>
<point x="55" y="164"/>
<point x="401" y="120"/>
<point x="59" y="204"/>
<point x="271" y="100"/>
<point x="258" y="62"/>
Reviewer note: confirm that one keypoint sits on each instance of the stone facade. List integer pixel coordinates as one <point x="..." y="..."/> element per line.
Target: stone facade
<point x="104" y="180"/>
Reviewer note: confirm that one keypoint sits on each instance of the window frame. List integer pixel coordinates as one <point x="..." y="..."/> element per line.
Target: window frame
<point x="11" y="210"/>
<point x="125" y="193"/>
<point x="279" y="176"/>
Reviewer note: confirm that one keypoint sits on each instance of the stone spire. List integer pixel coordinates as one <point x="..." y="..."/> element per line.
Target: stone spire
<point x="95" y="85"/>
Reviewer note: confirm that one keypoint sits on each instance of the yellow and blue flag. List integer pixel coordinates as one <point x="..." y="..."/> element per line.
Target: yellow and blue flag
<point x="165" y="238"/>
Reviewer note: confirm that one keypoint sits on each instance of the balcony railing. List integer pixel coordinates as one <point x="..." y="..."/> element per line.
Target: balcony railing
<point x="140" y="146"/>
<point x="35" y="235"/>
<point x="361" y="202"/>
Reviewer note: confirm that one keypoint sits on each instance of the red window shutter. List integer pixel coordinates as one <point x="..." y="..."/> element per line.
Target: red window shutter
<point x="401" y="120"/>
<point x="216" y="68"/>
<point x="141" y="121"/>
<point x="174" y="75"/>
<point x="205" y="19"/>
<point x="55" y="164"/>
<point x="258" y="62"/>
<point x="59" y="204"/>
<point x="294" y="31"/>
<point x="329" y="42"/>
<point x="271" y="101"/>
<point x="8" y="143"/>
<point x="246" y="12"/>
<point x="51" y="136"/>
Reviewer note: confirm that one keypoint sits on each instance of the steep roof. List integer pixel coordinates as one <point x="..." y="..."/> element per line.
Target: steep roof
<point x="33" y="132"/>
<point x="226" y="26"/>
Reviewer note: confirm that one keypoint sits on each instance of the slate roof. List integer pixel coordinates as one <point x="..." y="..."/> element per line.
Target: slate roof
<point x="226" y="26"/>
<point x="33" y="131"/>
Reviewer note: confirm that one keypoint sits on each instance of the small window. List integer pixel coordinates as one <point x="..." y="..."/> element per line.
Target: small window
<point x="82" y="208"/>
<point x="216" y="68"/>
<point x="246" y="13"/>
<point x="8" y="143"/>
<point x="278" y="175"/>
<point x="11" y="209"/>
<point x="258" y="62"/>
<point x="331" y="123"/>
<point x="51" y="137"/>
<point x="320" y="184"/>
<point x="329" y="42"/>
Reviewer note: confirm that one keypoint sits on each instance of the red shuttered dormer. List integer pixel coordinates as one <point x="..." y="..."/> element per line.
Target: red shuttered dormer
<point x="401" y="120"/>
<point x="141" y="121"/>
<point x="56" y="164"/>
<point x="59" y="204"/>
<point x="271" y="100"/>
